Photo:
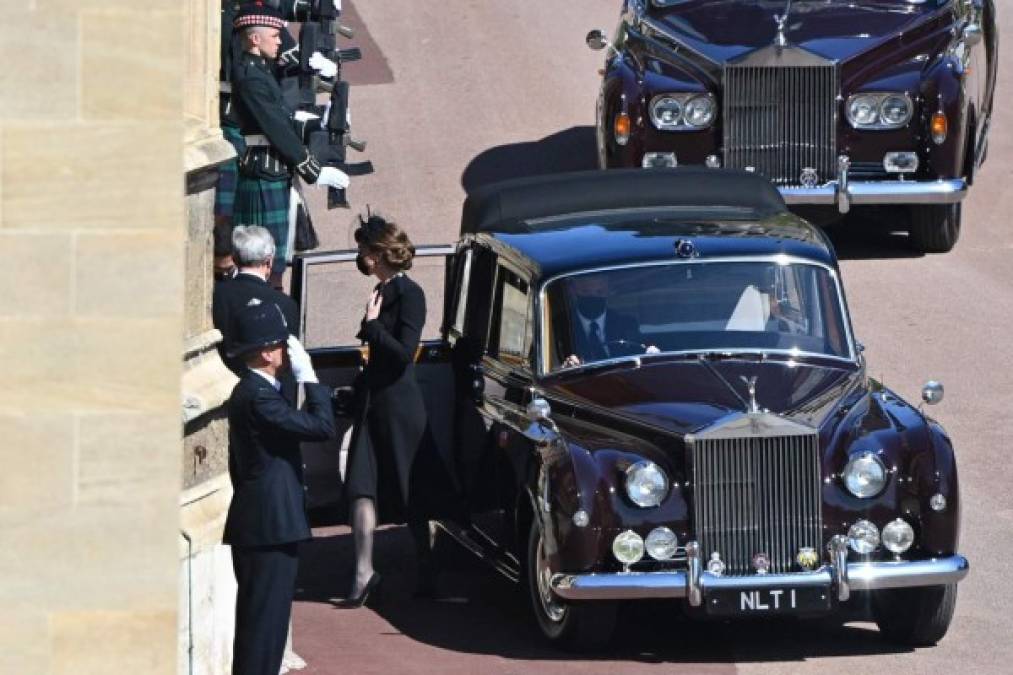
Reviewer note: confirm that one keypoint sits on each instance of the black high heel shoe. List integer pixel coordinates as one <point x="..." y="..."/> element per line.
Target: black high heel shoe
<point x="371" y="587"/>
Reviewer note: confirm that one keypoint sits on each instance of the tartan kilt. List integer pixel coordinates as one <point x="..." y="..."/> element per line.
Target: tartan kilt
<point x="228" y="174"/>
<point x="265" y="203"/>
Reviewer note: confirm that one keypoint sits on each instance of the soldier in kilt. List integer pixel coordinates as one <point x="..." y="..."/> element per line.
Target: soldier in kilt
<point x="274" y="136"/>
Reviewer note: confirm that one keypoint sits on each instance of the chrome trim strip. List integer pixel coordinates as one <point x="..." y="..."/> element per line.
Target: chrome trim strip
<point x="948" y="191"/>
<point x="866" y="576"/>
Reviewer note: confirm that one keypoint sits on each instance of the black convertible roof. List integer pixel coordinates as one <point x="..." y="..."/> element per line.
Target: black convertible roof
<point x="506" y="207"/>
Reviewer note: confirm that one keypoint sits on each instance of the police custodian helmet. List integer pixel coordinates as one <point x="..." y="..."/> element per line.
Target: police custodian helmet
<point x="256" y="326"/>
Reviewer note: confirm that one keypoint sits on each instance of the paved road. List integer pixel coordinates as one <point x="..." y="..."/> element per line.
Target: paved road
<point x="467" y="91"/>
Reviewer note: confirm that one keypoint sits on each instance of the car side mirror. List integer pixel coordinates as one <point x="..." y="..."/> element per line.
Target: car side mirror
<point x="597" y="40"/>
<point x="972" y="34"/>
<point x="932" y="392"/>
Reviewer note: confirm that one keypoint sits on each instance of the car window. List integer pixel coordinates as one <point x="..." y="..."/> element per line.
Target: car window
<point x="693" y="306"/>
<point x="463" y="277"/>
<point x="511" y="335"/>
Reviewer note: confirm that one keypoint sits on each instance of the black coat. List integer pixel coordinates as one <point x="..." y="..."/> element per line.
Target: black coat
<point x="265" y="461"/>
<point x="617" y="327"/>
<point x="391" y="423"/>
<point x="230" y="296"/>
<point x="258" y="107"/>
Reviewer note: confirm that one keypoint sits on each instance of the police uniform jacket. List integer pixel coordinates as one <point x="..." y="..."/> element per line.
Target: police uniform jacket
<point x="274" y="139"/>
<point x="265" y="461"/>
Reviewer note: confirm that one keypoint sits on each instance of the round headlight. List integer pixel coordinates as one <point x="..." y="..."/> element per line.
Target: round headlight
<point x="863" y="537"/>
<point x="699" y="111"/>
<point x="646" y="484"/>
<point x="863" y="111"/>
<point x="865" y="475"/>
<point x="898" y="536"/>
<point x="661" y="543"/>
<point x="895" y="110"/>
<point x="666" y="112"/>
<point x="628" y="547"/>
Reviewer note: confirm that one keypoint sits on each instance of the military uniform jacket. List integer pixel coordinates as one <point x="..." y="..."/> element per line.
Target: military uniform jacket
<point x="265" y="461"/>
<point x="259" y="110"/>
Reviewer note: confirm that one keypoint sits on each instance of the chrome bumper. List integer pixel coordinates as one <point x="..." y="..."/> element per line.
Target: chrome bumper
<point x="863" y="576"/>
<point x="845" y="193"/>
<point x="881" y="192"/>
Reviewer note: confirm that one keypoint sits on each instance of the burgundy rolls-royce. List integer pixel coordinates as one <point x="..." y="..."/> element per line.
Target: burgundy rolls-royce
<point x="840" y="104"/>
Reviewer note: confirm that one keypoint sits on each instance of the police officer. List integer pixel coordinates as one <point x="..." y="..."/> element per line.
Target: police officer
<point x="267" y="516"/>
<point x="274" y="136"/>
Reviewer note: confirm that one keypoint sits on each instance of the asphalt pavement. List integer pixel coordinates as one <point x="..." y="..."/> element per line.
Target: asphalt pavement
<point x="459" y="93"/>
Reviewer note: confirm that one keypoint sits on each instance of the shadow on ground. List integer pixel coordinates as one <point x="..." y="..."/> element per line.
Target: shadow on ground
<point x="480" y="612"/>
<point x="572" y="149"/>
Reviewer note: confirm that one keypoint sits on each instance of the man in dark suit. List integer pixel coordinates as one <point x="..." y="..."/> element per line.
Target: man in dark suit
<point x="253" y="250"/>
<point x="267" y="516"/>
<point x="598" y="332"/>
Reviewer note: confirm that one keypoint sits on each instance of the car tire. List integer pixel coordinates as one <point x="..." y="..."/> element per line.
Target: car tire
<point x="916" y="617"/>
<point x="580" y="627"/>
<point x="935" y="228"/>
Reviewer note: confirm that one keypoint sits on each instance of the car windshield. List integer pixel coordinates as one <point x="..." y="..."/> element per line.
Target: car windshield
<point x="768" y="306"/>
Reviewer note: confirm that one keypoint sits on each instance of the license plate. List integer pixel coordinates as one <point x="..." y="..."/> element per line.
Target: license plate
<point x="756" y="602"/>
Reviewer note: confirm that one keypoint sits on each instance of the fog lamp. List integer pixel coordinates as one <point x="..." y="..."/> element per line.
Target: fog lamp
<point x="661" y="543"/>
<point x="659" y="160"/>
<point x="581" y="519"/>
<point x="939" y="128"/>
<point x="898" y="536"/>
<point x="863" y="537"/>
<point x="900" y="162"/>
<point x="712" y="162"/>
<point x="621" y="128"/>
<point x="628" y="547"/>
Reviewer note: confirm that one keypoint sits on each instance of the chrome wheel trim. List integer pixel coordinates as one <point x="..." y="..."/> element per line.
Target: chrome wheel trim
<point x="553" y="609"/>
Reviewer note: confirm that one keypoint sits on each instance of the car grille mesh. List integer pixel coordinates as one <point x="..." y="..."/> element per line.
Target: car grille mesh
<point x="757" y="495"/>
<point x="781" y="120"/>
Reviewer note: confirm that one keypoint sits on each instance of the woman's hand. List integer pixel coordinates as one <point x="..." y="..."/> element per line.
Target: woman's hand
<point x="373" y="306"/>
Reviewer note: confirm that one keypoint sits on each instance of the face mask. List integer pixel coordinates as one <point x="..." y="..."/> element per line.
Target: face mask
<point x="591" y="307"/>
<point x="360" y="263"/>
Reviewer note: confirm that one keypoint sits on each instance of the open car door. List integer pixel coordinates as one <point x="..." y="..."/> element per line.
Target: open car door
<point x="332" y="294"/>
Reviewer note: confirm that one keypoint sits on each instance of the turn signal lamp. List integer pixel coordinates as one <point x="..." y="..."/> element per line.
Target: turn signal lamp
<point x="939" y="128"/>
<point x="622" y="128"/>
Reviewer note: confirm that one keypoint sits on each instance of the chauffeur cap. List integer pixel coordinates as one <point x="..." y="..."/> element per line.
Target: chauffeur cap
<point x="256" y="326"/>
<point x="258" y="14"/>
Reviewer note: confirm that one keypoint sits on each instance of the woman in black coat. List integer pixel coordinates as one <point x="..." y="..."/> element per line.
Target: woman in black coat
<point x="391" y="442"/>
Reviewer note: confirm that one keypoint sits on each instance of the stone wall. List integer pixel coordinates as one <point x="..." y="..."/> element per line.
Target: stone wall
<point x="92" y="229"/>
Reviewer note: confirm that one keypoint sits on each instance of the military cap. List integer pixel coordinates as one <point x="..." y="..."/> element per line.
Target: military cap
<point x="257" y="13"/>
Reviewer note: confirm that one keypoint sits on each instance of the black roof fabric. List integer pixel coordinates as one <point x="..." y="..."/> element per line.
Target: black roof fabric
<point x="502" y="207"/>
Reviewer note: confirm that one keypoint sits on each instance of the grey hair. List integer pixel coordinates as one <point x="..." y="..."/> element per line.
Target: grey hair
<point x="252" y="245"/>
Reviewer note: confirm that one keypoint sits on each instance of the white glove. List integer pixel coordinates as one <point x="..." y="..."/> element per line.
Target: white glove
<point x="323" y="65"/>
<point x="302" y="367"/>
<point x="331" y="177"/>
<point x="337" y="5"/>
<point x="303" y="116"/>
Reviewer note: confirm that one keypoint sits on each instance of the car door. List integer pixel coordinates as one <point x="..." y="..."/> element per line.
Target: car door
<point x="331" y="294"/>
<point x="507" y="377"/>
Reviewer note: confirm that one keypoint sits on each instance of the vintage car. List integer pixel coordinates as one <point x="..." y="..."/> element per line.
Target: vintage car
<point x="648" y="386"/>
<point x="867" y="102"/>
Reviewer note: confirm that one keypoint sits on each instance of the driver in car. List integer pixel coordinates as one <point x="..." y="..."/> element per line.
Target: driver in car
<point x="598" y="332"/>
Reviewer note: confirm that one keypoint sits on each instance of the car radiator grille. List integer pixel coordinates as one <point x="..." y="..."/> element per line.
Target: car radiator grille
<point x="781" y="120"/>
<point x="757" y="495"/>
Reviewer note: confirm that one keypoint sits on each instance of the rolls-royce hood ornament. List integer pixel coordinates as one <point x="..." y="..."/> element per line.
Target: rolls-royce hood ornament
<point x="754" y="408"/>
<point x="782" y="21"/>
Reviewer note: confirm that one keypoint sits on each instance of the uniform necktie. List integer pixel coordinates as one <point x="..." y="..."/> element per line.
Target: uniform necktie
<point x="597" y="346"/>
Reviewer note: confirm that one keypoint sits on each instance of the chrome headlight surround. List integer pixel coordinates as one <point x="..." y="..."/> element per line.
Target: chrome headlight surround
<point x="646" y="484"/>
<point x="871" y="111"/>
<point x="865" y="475"/>
<point x="670" y="112"/>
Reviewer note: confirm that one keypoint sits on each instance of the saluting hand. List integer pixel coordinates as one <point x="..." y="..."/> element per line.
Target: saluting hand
<point x="373" y="306"/>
